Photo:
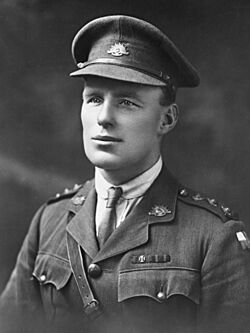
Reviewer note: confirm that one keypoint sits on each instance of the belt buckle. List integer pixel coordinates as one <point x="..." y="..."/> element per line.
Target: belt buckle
<point x="91" y="309"/>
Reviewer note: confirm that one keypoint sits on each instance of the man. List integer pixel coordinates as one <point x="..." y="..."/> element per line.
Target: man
<point x="131" y="250"/>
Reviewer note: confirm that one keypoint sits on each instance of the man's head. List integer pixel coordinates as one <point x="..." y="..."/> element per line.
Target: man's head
<point x="131" y="73"/>
<point x="123" y="124"/>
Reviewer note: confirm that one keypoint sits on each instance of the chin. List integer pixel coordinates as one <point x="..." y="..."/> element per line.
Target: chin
<point x="105" y="162"/>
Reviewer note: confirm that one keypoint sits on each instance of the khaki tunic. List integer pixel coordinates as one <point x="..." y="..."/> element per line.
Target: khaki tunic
<point x="174" y="265"/>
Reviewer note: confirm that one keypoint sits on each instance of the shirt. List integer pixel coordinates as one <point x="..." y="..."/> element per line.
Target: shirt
<point x="133" y="192"/>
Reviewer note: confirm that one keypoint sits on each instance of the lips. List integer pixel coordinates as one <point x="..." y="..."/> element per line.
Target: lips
<point x="106" y="138"/>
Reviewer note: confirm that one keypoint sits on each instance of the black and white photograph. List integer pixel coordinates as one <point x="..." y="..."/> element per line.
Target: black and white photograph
<point x="124" y="166"/>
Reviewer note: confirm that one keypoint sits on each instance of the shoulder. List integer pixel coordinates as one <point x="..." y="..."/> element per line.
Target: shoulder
<point x="205" y="205"/>
<point x="214" y="220"/>
<point x="75" y="195"/>
<point x="66" y="194"/>
<point x="61" y="203"/>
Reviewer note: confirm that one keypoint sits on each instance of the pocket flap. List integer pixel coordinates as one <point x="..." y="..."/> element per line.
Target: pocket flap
<point x="149" y="282"/>
<point x="51" y="269"/>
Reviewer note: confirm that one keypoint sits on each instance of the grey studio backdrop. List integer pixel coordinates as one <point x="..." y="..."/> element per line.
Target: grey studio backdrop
<point x="40" y="133"/>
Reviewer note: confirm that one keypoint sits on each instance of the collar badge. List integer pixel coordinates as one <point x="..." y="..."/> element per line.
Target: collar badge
<point x="79" y="200"/>
<point x="118" y="50"/>
<point x="159" y="210"/>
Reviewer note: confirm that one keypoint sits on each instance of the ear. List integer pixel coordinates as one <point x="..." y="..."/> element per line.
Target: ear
<point x="169" y="118"/>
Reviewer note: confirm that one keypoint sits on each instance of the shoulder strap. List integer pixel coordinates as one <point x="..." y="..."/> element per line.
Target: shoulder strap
<point x="193" y="198"/>
<point x="65" y="195"/>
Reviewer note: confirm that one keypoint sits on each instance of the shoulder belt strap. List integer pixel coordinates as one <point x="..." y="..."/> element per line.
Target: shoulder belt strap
<point x="90" y="304"/>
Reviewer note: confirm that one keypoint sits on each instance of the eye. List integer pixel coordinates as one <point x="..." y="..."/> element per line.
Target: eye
<point x="128" y="103"/>
<point x="94" y="100"/>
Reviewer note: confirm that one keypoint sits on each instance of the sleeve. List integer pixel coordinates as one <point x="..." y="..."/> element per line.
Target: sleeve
<point x="20" y="302"/>
<point x="225" y="283"/>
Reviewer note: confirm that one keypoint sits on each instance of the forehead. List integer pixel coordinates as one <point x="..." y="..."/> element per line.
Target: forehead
<point x="119" y="87"/>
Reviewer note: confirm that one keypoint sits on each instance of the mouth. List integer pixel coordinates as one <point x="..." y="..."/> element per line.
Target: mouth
<point x="106" y="138"/>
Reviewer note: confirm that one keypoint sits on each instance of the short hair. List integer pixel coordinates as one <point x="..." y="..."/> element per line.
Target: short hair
<point x="168" y="95"/>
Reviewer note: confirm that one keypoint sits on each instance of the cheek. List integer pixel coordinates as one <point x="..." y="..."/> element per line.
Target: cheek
<point x="146" y="129"/>
<point x="86" y="128"/>
<point x="87" y="119"/>
<point x="82" y="116"/>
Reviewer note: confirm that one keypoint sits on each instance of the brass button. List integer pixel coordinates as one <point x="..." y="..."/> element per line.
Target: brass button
<point x="43" y="278"/>
<point x="161" y="296"/>
<point x="94" y="270"/>
<point x="80" y="65"/>
<point x="183" y="192"/>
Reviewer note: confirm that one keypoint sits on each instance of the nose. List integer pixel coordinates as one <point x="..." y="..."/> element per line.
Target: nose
<point x="106" y="115"/>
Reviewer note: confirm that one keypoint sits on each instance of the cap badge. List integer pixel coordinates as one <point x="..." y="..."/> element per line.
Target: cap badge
<point x="118" y="50"/>
<point x="159" y="211"/>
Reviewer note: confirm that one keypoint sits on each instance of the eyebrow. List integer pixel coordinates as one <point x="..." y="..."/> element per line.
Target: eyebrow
<point x="124" y="92"/>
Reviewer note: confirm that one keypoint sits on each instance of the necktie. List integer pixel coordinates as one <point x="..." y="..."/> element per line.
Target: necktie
<point x="108" y="223"/>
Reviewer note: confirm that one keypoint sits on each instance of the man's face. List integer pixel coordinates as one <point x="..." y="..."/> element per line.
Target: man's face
<point x="121" y="126"/>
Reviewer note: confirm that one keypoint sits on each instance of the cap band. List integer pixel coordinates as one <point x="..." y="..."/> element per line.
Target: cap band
<point x="138" y="67"/>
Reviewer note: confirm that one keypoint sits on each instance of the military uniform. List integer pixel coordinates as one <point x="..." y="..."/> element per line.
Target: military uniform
<point x="179" y="262"/>
<point x="174" y="265"/>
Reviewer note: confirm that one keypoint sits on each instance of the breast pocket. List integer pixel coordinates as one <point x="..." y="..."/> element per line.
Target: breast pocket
<point x="160" y="299"/>
<point x="53" y="274"/>
<point x="159" y="284"/>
